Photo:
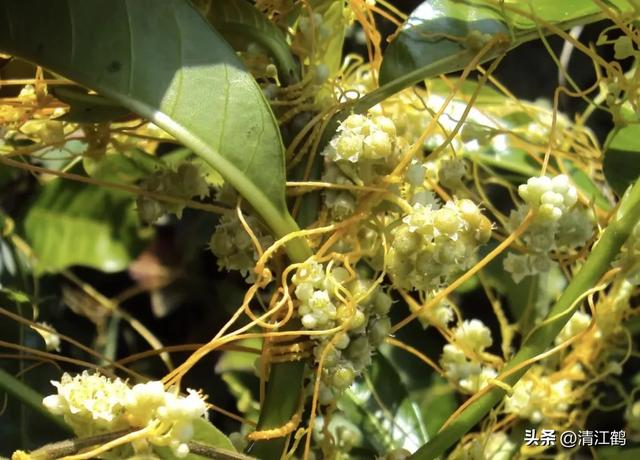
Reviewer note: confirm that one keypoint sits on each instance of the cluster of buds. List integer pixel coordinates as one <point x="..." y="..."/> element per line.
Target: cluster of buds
<point x="550" y="197"/>
<point x="330" y="298"/>
<point x="233" y="247"/>
<point x="540" y="395"/>
<point x="434" y="244"/>
<point x="363" y="138"/>
<point x="461" y="359"/>
<point x="558" y="224"/>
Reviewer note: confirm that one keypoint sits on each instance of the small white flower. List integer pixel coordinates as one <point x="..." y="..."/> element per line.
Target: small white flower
<point x="473" y="335"/>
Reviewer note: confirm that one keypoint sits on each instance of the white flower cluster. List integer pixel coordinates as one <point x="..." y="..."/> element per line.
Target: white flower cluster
<point x="434" y="244"/>
<point x="558" y="225"/>
<point x="330" y="298"/>
<point x="536" y="396"/>
<point x="343" y="433"/>
<point x="362" y="138"/>
<point x="93" y="404"/>
<point x="551" y="197"/>
<point x="232" y="245"/>
<point x="90" y="403"/>
<point x="364" y="149"/>
<point x="460" y="360"/>
<point x="186" y="182"/>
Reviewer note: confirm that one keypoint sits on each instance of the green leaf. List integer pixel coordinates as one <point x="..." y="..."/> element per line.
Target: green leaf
<point x="164" y="61"/>
<point x="70" y="223"/>
<point x="443" y="36"/>
<point x="487" y="95"/>
<point x="30" y="398"/>
<point x="492" y="114"/>
<point x="204" y="433"/>
<point x="88" y="108"/>
<point x="574" y="11"/>
<point x="237" y="369"/>
<point x="397" y="422"/>
<point x="207" y="433"/>
<point x="239" y="360"/>
<point x="15" y="295"/>
<point x="585" y="184"/>
<point x="621" y="163"/>
<point x="15" y="266"/>
<point x="437" y="403"/>
<point x="440" y="32"/>
<point x="241" y="24"/>
<point x="508" y="159"/>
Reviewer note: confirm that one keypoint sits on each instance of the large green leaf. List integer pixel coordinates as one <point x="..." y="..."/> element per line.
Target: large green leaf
<point x="436" y="32"/>
<point x="88" y="108"/>
<point x="443" y="36"/>
<point x="71" y="223"/>
<point x="586" y="185"/>
<point x="394" y="424"/>
<point x="622" y="157"/>
<point x="553" y="11"/>
<point x="163" y="61"/>
<point x="240" y="23"/>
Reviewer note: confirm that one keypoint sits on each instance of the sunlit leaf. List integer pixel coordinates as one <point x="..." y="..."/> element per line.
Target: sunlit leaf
<point x="554" y="11"/>
<point x="441" y="33"/>
<point x="334" y="20"/>
<point x="70" y="223"/>
<point x="443" y="36"/>
<point x="163" y="61"/>
<point x="585" y="184"/>
<point x="14" y="295"/>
